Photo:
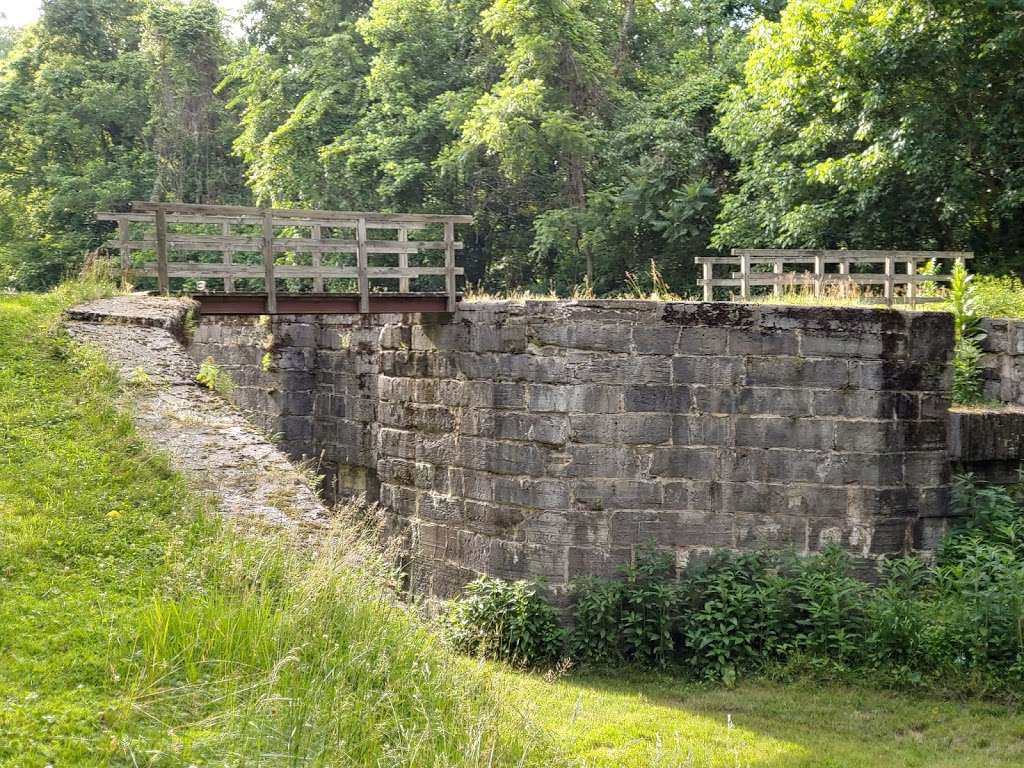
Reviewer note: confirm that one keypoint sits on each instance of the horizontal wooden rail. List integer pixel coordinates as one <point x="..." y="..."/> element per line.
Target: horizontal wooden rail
<point x="898" y="269"/>
<point x="272" y="231"/>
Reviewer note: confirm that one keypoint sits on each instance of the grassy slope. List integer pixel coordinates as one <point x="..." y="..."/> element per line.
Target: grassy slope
<point x="133" y="628"/>
<point x="136" y="630"/>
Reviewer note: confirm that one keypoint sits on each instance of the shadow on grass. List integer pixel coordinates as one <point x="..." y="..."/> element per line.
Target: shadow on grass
<point x="638" y="719"/>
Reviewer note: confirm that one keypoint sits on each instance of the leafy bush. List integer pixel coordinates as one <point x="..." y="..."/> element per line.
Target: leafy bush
<point x="597" y="632"/>
<point x="649" y="608"/>
<point x="507" y="620"/>
<point x="731" y="617"/>
<point x="999" y="296"/>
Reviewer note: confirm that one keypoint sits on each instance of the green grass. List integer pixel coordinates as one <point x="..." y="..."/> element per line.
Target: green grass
<point x="137" y="630"/>
<point x="647" y="721"/>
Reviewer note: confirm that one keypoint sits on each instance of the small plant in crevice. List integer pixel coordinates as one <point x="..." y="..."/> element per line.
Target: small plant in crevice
<point x="213" y="377"/>
<point x="139" y="378"/>
<point x="267" y="362"/>
<point x="189" y="325"/>
<point x="505" y="620"/>
<point x="968" y="335"/>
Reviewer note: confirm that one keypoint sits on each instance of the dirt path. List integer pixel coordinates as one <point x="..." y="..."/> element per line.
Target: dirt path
<point x="205" y="437"/>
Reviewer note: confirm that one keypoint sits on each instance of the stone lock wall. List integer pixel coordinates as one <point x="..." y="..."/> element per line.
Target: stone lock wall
<point x="1003" y="360"/>
<point x="553" y="439"/>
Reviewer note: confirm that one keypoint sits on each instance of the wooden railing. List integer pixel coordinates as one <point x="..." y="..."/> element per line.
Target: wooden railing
<point x="309" y="232"/>
<point x="889" y="269"/>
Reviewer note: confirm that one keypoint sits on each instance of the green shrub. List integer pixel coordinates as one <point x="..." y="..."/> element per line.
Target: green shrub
<point x="731" y="615"/>
<point x="827" y="608"/>
<point x="650" y="601"/>
<point x="967" y="383"/>
<point x="999" y="296"/>
<point x="506" y="620"/>
<point x="597" y="629"/>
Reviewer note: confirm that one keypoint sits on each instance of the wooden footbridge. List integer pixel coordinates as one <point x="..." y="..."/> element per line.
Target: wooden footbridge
<point x="244" y="260"/>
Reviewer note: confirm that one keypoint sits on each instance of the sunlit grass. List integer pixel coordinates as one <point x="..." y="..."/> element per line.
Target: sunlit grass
<point x="138" y="629"/>
<point x="641" y="720"/>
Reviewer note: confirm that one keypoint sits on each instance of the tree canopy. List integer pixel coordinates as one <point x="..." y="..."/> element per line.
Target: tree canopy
<point x="587" y="137"/>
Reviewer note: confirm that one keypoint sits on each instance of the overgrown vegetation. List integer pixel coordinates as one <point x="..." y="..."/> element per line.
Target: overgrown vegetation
<point x="587" y="137"/>
<point x="967" y="336"/>
<point x="138" y="630"/>
<point x="956" y="624"/>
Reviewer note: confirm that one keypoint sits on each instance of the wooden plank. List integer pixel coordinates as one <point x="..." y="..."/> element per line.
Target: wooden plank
<point x="853" y="255"/>
<point x="744" y="277"/>
<point x="214" y="269"/>
<point x="777" y="268"/>
<point x="449" y="264"/>
<point x="163" y="282"/>
<point x="708" y="282"/>
<point x="860" y="278"/>
<point x="268" y="262"/>
<point x="318" y="278"/>
<point x="361" y="267"/>
<point x="403" y="259"/>
<point x="373" y="219"/>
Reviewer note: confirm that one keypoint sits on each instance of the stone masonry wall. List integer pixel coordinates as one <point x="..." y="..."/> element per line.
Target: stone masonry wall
<point x="554" y="439"/>
<point x="311" y="380"/>
<point x="1003" y="361"/>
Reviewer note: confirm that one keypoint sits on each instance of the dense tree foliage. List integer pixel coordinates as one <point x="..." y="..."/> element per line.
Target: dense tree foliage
<point x="101" y="102"/>
<point x="882" y="124"/>
<point x="586" y="136"/>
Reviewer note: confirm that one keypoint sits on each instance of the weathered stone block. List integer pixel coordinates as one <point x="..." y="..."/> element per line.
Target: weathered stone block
<point x="685" y="462"/>
<point x="618" y="493"/>
<point x="715" y="371"/>
<point x="658" y="397"/>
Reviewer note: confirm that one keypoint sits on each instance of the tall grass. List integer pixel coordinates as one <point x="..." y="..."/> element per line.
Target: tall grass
<point x="286" y="657"/>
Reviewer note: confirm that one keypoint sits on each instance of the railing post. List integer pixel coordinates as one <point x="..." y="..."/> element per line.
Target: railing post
<point x="819" y="273"/>
<point x="744" y="276"/>
<point x="449" y="263"/>
<point x="361" y="267"/>
<point x="268" y="261"/>
<point x="318" y="277"/>
<point x="227" y="258"/>
<point x="890" y="272"/>
<point x="162" y="279"/>
<point x="778" y="269"/>
<point x="126" y="254"/>
<point x="911" y="284"/>
<point x="709" y="289"/>
<point x="403" y="261"/>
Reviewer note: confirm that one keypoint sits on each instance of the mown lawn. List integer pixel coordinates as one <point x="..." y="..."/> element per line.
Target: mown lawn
<point x="136" y="631"/>
<point x="645" y="720"/>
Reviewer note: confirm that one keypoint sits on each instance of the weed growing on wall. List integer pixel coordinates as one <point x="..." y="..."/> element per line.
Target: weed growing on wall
<point x="967" y="387"/>
<point x="213" y="377"/>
